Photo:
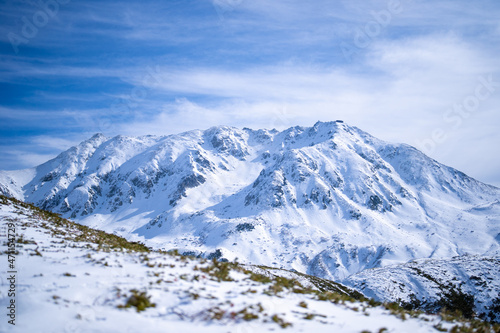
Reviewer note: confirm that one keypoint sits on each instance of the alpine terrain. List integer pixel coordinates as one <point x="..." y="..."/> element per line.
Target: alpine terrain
<point x="71" y="278"/>
<point x="328" y="200"/>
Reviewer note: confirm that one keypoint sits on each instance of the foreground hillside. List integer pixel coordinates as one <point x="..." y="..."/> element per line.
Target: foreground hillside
<point x="328" y="200"/>
<point x="71" y="278"/>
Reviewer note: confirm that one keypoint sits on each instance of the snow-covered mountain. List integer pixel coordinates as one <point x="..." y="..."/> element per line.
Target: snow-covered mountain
<point x="329" y="200"/>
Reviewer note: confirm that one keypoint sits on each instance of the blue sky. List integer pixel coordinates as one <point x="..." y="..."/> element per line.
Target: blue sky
<point x="426" y="73"/>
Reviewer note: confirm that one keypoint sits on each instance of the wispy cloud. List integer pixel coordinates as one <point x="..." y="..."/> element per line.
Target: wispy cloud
<point x="53" y="143"/>
<point x="259" y="64"/>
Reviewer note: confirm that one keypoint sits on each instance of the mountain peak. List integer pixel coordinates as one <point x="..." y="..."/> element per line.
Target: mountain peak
<point x="328" y="123"/>
<point x="98" y="136"/>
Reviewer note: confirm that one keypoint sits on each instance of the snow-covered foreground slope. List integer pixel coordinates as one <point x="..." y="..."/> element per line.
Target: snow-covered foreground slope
<point x="427" y="283"/>
<point x="329" y="200"/>
<point x="74" y="279"/>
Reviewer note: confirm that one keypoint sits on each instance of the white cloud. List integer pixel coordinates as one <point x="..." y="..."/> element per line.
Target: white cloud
<point x="401" y="95"/>
<point x="50" y="142"/>
<point x="23" y="158"/>
<point x="428" y="58"/>
<point x="31" y="159"/>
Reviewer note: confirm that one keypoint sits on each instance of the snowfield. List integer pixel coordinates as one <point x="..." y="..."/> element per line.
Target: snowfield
<point x="74" y="279"/>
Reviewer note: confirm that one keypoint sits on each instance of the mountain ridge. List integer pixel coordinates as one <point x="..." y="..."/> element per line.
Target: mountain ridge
<point x="329" y="200"/>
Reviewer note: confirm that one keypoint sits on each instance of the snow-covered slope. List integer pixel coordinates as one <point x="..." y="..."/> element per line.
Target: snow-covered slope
<point x="329" y="200"/>
<point x="74" y="279"/>
<point x="471" y="282"/>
